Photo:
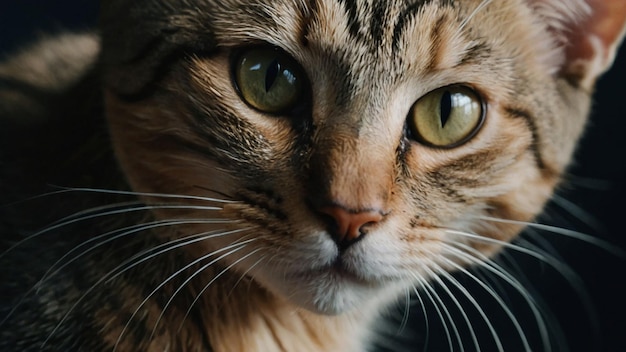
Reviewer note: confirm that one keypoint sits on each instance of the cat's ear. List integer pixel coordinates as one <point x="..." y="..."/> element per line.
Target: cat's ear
<point x="590" y="32"/>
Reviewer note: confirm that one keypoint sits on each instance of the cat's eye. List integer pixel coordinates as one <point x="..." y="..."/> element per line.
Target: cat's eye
<point x="268" y="80"/>
<point x="446" y="117"/>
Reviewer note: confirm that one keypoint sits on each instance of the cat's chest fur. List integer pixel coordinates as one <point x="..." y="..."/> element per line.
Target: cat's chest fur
<point x="263" y="177"/>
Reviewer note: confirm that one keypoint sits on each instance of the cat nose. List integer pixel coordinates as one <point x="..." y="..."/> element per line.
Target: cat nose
<point x="348" y="224"/>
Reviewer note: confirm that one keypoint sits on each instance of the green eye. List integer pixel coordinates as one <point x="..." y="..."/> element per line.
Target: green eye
<point x="269" y="80"/>
<point x="446" y="117"/>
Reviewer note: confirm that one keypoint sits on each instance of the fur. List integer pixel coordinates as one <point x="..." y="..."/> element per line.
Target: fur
<point x="224" y="243"/>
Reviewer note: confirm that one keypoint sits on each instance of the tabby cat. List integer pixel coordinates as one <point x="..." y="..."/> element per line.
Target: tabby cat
<point x="273" y="175"/>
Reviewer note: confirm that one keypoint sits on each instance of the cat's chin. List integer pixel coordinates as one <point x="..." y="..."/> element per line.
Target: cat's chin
<point x="333" y="290"/>
<point x="330" y="295"/>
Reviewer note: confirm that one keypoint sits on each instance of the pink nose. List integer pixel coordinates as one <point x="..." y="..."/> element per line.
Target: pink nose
<point x="349" y="224"/>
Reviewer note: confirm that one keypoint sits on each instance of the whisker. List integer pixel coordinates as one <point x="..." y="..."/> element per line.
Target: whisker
<point x="489" y="291"/>
<point x="70" y="220"/>
<point x="191" y="277"/>
<point x="509" y="264"/>
<point x="557" y="265"/>
<point x="618" y="252"/>
<point x="426" y="322"/>
<point x="29" y="199"/>
<point x="50" y="273"/>
<point x="406" y="312"/>
<point x="146" y="194"/>
<point x="471" y="15"/>
<point x="237" y="247"/>
<point x="576" y="282"/>
<point x="441" y="309"/>
<point x="121" y="268"/>
<point x="456" y="302"/>
<point x="532" y="237"/>
<point x="126" y="232"/>
<point x="573" y="279"/>
<point x="596" y="184"/>
<point x="488" y="264"/>
<point x="244" y="274"/>
<point x="579" y="213"/>
<point x="206" y="287"/>
<point x="491" y="281"/>
<point x="225" y="195"/>
<point x="99" y="209"/>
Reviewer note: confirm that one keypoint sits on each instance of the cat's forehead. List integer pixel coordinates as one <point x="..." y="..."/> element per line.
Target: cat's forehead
<point x="371" y="20"/>
<point x="360" y="42"/>
<point x="366" y="26"/>
<point x="362" y="36"/>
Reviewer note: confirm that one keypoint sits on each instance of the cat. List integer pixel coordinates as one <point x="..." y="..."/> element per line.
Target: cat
<point x="265" y="176"/>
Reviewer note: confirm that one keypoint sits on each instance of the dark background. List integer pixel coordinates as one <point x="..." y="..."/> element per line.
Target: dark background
<point x="598" y="187"/>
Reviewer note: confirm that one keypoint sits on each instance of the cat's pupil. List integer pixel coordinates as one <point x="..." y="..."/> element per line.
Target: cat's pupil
<point x="271" y="74"/>
<point x="445" y="108"/>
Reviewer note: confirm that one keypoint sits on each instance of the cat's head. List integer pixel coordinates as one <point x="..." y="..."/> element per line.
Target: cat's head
<point x="321" y="123"/>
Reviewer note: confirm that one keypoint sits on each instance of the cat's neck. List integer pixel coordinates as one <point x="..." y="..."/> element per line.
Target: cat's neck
<point x="255" y="320"/>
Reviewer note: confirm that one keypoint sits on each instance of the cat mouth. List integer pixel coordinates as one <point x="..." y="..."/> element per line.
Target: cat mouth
<point x="337" y="271"/>
<point x="340" y="269"/>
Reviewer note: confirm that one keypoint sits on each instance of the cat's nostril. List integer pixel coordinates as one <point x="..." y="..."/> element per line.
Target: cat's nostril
<point x="348" y="224"/>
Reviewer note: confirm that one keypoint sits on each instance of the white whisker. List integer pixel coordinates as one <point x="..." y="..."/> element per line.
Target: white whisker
<point x="441" y="309"/>
<point x="426" y="322"/>
<point x="70" y="220"/>
<point x="244" y="274"/>
<point x="121" y="268"/>
<point x="489" y="265"/>
<point x="618" y="252"/>
<point x="456" y="302"/>
<point x="596" y="184"/>
<point x="237" y="247"/>
<point x="489" y="291"/>
<point x="31" y="198"/>
<point x="478" y="8"/>
<point x="191" y="277"/>
<point x="50" y="273"/>
<point x="531" y="237"/>
<point x="130" y="230"/>
<point x="206" y="287"/>
<point x="557" y="265"/>
<point x="509" y="264"/>
<point x="406" y="312"/>
<point x="100" y="209"/>
<point x="579" y="213"/>
<point x="148" y="194"/>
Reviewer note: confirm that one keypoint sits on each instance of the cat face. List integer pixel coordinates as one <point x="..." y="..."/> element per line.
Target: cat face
<point x="358" y="147"/>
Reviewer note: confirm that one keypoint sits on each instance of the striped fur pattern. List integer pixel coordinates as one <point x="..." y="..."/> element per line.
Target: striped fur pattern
<point x="219" y="239"/>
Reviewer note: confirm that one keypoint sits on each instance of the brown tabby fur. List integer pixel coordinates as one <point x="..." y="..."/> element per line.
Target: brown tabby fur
<point x="178" y="129"/>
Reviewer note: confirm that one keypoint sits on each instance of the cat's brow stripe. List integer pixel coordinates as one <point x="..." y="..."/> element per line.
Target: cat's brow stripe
<point x="474" y="53"/>
<point x="306" y="22"/>
<point x="380" y="17"/>
<point x="528" y="118"/>
<point x="403" y="21"/>
<point x="379" y="21"/>
<point x="435" y="39"/>
<point x="354" y="24"/>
